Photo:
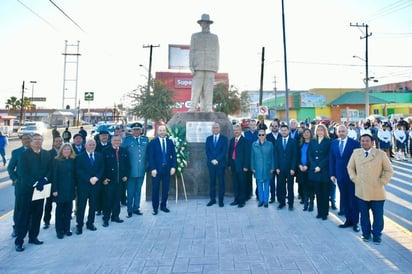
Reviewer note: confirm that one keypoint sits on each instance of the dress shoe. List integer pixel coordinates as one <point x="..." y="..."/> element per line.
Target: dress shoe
<point x="46" y="226"/>
<point x="165" y="209"/>
<point x="35" y="241"/>
<point x="79" y="230"/>
<point x="211" y="202"/>
<point x="266" y="205"/>
<point x="19" y="248"/>
<point x="138" y="212"/>
<point x="117" y="220"/>
<point x="272" y="200"/>
<point x="281" y="206"/>
<point x="60" y="235"/>
<point x="234" y="203"/>
<point x="69" y="233"/>
<point x="221" y="204"/>
<point x="91" y="227"/>
<point x="377" y="240"/>
<point x="260" y="204"/>
<point x="345" y="225"/>
<point x="105" y="223"/>
<point x="356" y="228"/>
<point x="366" y="238"/>
<point x="310" y="208"/>
<point x="13" y="233"/>
<point x="241" y="205"/>
<point x="129" y="215"/>
<point x="318" y="216"/>
<point x="291" y="207"/>
<point x="155" y="211"/>
<point x="305" y="209"/>
<point x="333" y="206"/>
<point x="324" y="218"/>
<point x="98" y="213"/>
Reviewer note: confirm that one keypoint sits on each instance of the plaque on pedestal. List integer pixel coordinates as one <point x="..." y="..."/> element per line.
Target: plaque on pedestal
<point x="196" y="175"/>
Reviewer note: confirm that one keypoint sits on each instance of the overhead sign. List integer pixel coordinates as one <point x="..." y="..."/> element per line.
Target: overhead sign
<point x="38" y="99"/>
<point x="263" y="110"/>
<point x="89" y="96"/>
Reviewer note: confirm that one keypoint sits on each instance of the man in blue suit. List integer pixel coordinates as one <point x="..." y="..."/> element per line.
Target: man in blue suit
<point x="12" y="170"/>
<point x="216" y="149"/>
<point x="89" y="173"/>
<point x="285" y="163"/>
<point x="239" y="163"/>
<point x="162" y="165"/>
<point x="340" y="153"/>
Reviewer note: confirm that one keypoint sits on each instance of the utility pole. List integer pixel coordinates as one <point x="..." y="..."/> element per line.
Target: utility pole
<point x="149" y="77"/>
<point x="262" y="68"/>
<point x="275" y="94"/>
<point x="285" y="64"/>
<point x="366" y="80"/>
<point x="21" y="104"/>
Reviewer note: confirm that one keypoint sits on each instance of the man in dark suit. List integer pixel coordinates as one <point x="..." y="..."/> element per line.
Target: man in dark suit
<point x="33" y="171"/>
<point x="252" y="136"/>
<point x="162" y="165"/>
<point x="13" y="174"/>
<point x="239" y="163"/>
<point x="48" y="207"/>
<point x="216" y="148"/>
<point x="77" y="144"/>
<point x="273" y="137"/>
<point x="340" y="153"/>
<point x="89" y="172"/>
<point x="116" y="170"/>
<point x="285" y="164"/>
<point x="102" y="141"/>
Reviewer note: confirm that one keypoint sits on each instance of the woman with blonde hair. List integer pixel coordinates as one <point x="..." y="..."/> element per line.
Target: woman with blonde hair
<point x="318" y="174"/>
<point x="63" y="182"/>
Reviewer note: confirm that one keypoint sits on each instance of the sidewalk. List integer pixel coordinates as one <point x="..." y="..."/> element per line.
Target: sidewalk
<point x="193" y="238"/>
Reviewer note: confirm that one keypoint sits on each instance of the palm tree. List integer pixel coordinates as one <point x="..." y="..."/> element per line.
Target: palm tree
<point x="12" y="104"/>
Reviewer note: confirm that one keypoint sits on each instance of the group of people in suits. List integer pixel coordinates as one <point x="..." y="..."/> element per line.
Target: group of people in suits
<point x="309" y="157"/>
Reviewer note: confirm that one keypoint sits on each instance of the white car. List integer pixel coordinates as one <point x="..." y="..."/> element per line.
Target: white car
<point x="32" y="128"/>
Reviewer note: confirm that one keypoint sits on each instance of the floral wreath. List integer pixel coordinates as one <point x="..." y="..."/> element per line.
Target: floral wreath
<point x="177" y="133"/>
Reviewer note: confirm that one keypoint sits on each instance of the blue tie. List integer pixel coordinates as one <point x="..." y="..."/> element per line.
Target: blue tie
<point x="91" y="159"/>
<point x="284" y="143"/>
<point x="366" y="154"/>
<point x="164" y="150"/>
<point x="341" y="147"/>
<point x="215" y="140"/>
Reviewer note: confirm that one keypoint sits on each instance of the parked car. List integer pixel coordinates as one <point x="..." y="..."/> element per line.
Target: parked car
<point x="32" y="128"/>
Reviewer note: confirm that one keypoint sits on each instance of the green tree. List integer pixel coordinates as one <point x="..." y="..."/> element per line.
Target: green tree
<point x="156" y="105"/>
<point x="12" y="104"/>
<point x="244" y="102"/>
<point x="226" y="100"/>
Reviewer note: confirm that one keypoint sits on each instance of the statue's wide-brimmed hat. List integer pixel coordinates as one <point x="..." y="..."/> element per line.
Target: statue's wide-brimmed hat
<point x="205" y="18"/>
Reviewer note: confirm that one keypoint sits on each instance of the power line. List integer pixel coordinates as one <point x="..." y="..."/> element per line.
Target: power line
<point x="35" y="13"/>
<point x="392" y="8"/>
<point x="65" y="14"/>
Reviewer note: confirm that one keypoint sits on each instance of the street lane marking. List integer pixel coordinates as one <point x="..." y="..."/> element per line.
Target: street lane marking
<point x="5" y="215"/>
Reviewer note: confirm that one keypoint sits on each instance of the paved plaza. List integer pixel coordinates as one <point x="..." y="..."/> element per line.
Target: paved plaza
<point x="193" y="238"/>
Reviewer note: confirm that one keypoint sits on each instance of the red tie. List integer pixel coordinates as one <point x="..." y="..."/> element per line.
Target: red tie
<point x="234" y="150"/>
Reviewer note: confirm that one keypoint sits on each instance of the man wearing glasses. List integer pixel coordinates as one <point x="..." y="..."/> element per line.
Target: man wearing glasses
<point x="273" y="137"/>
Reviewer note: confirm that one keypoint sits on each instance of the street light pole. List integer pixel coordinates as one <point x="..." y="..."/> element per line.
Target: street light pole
<point x="366" y="65"/>
<point x="32" y="96"/>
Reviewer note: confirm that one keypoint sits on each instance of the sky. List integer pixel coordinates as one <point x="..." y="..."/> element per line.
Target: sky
<point x="112" y="35"/>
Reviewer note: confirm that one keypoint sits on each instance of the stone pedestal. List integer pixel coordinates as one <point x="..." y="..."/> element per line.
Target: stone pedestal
<point x="196" y="175"/>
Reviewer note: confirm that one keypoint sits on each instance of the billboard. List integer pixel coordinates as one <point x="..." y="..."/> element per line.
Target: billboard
<point x="181" y="84"/>
<point x="179" y="57"/>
